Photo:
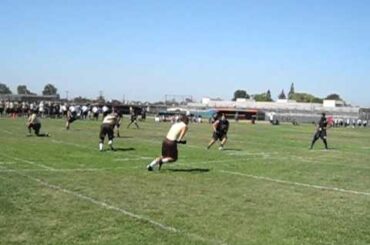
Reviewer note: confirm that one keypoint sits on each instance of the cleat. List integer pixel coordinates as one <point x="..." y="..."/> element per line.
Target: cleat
<point x="220" y="148"/>
<point x="149" y="168"/>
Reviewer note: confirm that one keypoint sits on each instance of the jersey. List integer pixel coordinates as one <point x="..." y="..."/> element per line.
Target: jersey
<point x="322" y="123"/>
<point x="33" y="119"/>
<point x="222" y="126"/>
<point x="110" y="119"/>
<point x="175" y="131"/>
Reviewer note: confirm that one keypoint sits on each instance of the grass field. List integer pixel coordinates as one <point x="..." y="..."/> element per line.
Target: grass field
<point x="266" y="187"/>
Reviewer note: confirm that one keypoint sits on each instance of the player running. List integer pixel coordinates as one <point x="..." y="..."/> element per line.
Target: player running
<point x="71" y="116"/>
<point x="169" y="145"/>
<point x="220" y="128"/>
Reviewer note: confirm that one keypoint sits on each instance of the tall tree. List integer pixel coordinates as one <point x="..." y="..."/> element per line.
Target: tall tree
<point x="291" y="91"/>
<point x="22" y="89"/>
<point x="333" y="97"/>
<point x="4" y="89"/>
<point x="282" y="95"/>
<point x="268" y="95"/>
<point x="240" y="94"/>
<point x="50" y="89"/>
<point x="263" y="96"/>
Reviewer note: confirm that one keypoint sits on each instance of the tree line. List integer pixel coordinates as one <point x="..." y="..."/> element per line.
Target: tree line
<point x="49" y="89"/>
<point x="292" y="95"/>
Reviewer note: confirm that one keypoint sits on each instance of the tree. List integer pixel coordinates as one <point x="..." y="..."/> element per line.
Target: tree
<point x="333" y="97"/>
<point x="22" y="89"/>
<point x="307" y="98"/>
<point x="4" y="89"/>
<point x="268" y="95"/>
<point x="282" y="95"/>
<point x="240" y="94"/>
<point x="291" y="91"/>
<point x="49" y="89"/>
<point x="263" y="96"/>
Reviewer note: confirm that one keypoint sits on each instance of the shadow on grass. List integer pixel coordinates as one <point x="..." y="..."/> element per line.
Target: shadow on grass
<point x="124" y="149"/>
<point x="190" y="170"/>
<point x="124" y="137"/>
<point x="232" y="149"/>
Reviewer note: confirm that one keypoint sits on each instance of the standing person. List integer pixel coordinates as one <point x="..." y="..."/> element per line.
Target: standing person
<point x="321" y="131"/>
<point x="174" y="136"/>
<point x="107" y="128"/>
<point x="95" y="111"/>
<point x="133" y="119"/>
<point x="34" y="123"/>
<point x="119" y="121"/>
<point x="220" y="128"/>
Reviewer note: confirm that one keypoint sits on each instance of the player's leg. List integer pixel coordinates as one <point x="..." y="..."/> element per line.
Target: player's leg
<point x="213" y="140"/>
<point x="315" y="137"/>
<point x="30" y="126"/>
<point x="110" y="137"/>
<point x="323" y="137"/>
<point x="223" y="142"/>
<point x="101" y="138"/>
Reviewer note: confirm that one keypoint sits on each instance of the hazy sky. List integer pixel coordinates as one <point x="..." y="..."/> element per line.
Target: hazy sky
<point x="142" y="50"/>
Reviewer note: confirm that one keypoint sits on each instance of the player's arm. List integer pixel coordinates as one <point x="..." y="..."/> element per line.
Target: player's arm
<point x="182" y="133"/>
<point x="215" y="125"/>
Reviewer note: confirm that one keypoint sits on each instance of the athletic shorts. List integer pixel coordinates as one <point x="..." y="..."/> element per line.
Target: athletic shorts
<point x="106" y="129"/>
<point x="169" y="149"/>
<point x="219" y="135"/>
<point x="72" y="119"/>
<point x="321" y="134"/>
<point x="36" y="127"/>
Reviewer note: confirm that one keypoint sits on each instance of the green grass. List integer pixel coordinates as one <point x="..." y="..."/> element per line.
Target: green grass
<point x="266" y="187"/>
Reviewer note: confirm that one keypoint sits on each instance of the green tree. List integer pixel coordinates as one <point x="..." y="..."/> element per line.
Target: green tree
<point x="291" y="91"/>
<point x="4" y="89"/>
<point x="305" y="97"/>
<point x="333" y="97"/>
<point x="282" y="95"/>
<point x="263" y="96"/>
<point x="50" y="89"/>
<point x="22" y="89"/>
<point x="268" y="95"/>
<point x="240" y="94"/>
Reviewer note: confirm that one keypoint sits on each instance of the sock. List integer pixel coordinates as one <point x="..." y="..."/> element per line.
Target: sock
<point x="153" y="163"/>
<point x="100" y="146"/>
<point x="326" y="144"/>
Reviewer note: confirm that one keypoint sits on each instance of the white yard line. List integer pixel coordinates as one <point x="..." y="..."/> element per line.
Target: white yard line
<point x="320" y="187"/>
<point x="29" y="162"/>
<point x="61" y="170"/>
<point x="108" y="206"/>
<point x="6" y="163"/>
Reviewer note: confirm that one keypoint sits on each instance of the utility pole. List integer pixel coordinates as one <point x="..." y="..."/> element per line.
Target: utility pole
<point x="67" y="94"/>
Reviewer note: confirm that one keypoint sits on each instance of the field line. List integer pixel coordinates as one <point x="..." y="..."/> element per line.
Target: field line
<point x="320" y="187"/>
<point x="29" y="162"/>
<point x="60" y="170"/>
<point x="108" y="206"/>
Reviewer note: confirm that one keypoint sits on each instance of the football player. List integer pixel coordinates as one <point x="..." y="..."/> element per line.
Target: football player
<point x="34" y="123"/>
<point x="220" y="128"/>
<point x="321" y="131"/>
<point x="169" y="145"/>
<point x="107" y="128"/>
<point x="71" y="116"/>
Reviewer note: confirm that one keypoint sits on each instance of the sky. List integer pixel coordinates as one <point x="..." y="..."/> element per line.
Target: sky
<point x="144" y="50"/>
